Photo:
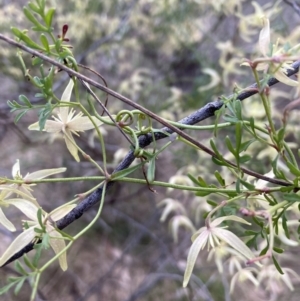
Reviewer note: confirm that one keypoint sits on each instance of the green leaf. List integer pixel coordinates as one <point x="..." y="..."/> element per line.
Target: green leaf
<point x="231" y="119"/>
<point x="230" y="146"/>
<point x="291" y="197"/>
<point x="19" y="285"/>
<point x="26" y="39"/>
<point x="41" y="4"/>
<point x="203" y="193"/>
<point x="238" y="109"/>
<point x="40" y="217"/>
<point x="245" y="158"/>
<point x="38" y="231"/>
<point x="44" y="114"/>
<point x="49" y="17"/>
<point x="38" y="248"/>
<point x="218" y="162"/>
<point x="237" y="185"/>
<point x="257" y="222"/>
<point x="201" y="182"/>
<point x="252" y="125"/>
<point x="46" y="241"/>
<point x="293" y="169"/>
<point x="6" y="288"/>
<point x="37" y="82"/>
<point x="19" y="268"/>
<point x="244" y="146"/>
<point x="34" y="7"/>
<point x="277" y="265"/>
<point x="287" y="189"/>
<point x="278" y="250"/>
<point x="25" y="100"/>
<point x="278" y="173"/>
<point x="193" y="179"/>
<point x="45" y="42"/>
<point x="214" y="147"/>
<point x="36" y="61"/>
<point x="219" y="178"/>
<point x="151" y="169"/>
<point x="238" y="136"/>
<point x="19" y="116"/>
<point x="28" y="262"/>
<point x="123" y="173"/>
<point x="212" y="203"/>
<point x="250" y="233"/>
<point x="280" y="136"/>
<point x="284" y="226"/>
<point x="33" y="20"/>
<point x="270" y="198"/>
<point x="48" y="80"/>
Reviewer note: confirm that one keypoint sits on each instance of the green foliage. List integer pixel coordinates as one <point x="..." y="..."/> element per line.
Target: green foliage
<point x="261" y="186"/>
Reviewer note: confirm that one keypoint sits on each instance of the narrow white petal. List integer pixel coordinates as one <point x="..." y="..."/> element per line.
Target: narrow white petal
<point x="264" y="37"/>
<point x="66" y="96"/>
<point x="41" y="174"/>
<point x="281" y="76"/>
<point x="83" y="123"/>
<point x="5" y="222"/>
<point x="51" y="126"/>
<point x="70" y="145"/>
<point x="19" y="243"/>
<point x="197" y="245"/>
<point x="220" y="220"/>
<point x="61" y="211"/>
<point x="234" y="242"/>
<point x="27" y="207"/>
<point x="58" y="245"/>
<point x="16" y="169"/>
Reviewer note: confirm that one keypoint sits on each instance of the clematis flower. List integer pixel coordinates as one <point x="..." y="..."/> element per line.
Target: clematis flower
<point x="35" y="228"/>
<point x="212" y="235"/>
<point x="275" y="56"/>
<point x="68" y="123"/>
<point x="3" y="219"/>
<point x="37" y="175"/>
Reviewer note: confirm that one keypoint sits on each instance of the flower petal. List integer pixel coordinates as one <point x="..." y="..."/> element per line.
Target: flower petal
<point x="197" y="245"/>
<point x="220" y="220"/>
<point x="83" y="123"/>
<point x="281" y="76"/>
<point x="66" y="96"/>
<point x="61" y="211"/>
<point x="41" y="174"/>
<point x="58" y="245"/>
<point x="215" y="79"/>
<point x="19" y="243"/>
<point x="264" y="37"/>
<point x="51" y="126"/>
<point x="70" y="142"/>
<point x="5" y="222"/>
<point x="27" y="207"/>
<point x="16" y="169"/>
<point x="234" y="242"/>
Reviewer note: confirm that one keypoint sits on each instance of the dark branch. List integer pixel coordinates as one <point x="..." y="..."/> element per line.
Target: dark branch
<point x="203" y="113"/>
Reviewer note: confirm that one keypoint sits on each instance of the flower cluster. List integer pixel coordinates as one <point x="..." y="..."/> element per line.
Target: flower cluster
<point x="40" y="222"/>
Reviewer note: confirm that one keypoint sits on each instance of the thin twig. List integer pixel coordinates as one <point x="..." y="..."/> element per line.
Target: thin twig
<point x="205" y="112"/>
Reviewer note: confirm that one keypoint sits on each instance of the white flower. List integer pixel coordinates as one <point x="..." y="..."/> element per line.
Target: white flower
<point x="171" y="205"/>
<point x="68" y="123"/>
<point x="275" y="57"/>
<point x="31" y="234"/>
<point x="37" y="175"/>
<point x="211" y="235"/>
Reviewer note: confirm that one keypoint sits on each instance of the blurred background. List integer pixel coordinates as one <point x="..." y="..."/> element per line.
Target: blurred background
<point x="171" y="56"/>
